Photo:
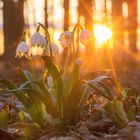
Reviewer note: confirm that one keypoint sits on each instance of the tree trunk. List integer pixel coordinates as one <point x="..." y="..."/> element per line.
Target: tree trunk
<point x="66" y="15"/>
<point x="117" y="21"/>
<point x="46" y="13"/>
<point x="13" y="27"/>
<point x="85" y="9"/>
<point x="132" y="24"/>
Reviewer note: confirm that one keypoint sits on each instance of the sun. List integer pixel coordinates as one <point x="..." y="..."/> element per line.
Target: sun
<point x="102" y="33"/>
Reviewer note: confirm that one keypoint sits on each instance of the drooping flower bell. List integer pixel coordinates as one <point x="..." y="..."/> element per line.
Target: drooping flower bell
<point x="85" y="36"/>
<point x="22" y="50"/>
<point x="38" y="40"/>
<point x="78" y="61"/>
<point x="66" y="39"/>
<point x="55" y="49"/>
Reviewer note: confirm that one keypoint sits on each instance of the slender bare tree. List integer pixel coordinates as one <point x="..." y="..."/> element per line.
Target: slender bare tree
<point x="66" y="14"/>
<point x="13" y="26"/>
<point x="46" y="13"/>
<point x="117" y="21"/>
<point x="85" y="9"/>
<point x="132" y="24"/>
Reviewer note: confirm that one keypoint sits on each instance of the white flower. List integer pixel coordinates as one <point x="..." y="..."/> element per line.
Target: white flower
<point x="66" y="39"/>
<point x="37" y="39"/>
<point x="78" y="61"/>
<point x="55" y="49"/>
<point x="85" y="36"/>
<point x="50" y="81"/>
<point x="22" y="50"/>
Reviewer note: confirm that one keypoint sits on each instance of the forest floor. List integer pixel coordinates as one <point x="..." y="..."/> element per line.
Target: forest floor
<point x="92" y="126"/>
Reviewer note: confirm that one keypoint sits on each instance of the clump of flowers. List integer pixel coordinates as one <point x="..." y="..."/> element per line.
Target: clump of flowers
<point x="57" y="96"/>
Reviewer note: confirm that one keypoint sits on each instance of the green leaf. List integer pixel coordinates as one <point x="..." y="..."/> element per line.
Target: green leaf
<point x="131" y="115"/>
<point x="8" y="84"/>
<point x="25" y="75"/>
<point x="30" y="131"/>
<point x="99" y="86"/>
<point x="115" y="111"/>
<point x="73" y="104"/>
<point x="21" y="116"/>
<point x="30" y="102"/>
<point x="98" y="91"/>
<point x="13" y="88"/>
<point x="58" y="82"/>
<point x="107" y="90"/>
<point x="4" y="118"/>
<point x="37" y="111"/>
<point x="138" y="100"/>
<point x="44" y="95"/>
<point x="101" y="78"/>
<point x="52" y="68"/>
<point x="71" y="80"/>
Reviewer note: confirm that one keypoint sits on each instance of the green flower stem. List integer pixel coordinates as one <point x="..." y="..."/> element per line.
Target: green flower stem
<point x="24" y="36"/>
<point x="77" y="28"/>
<point x="67" y="61"/>
<point x="73" y="33"/>
<point x="48" y="37"/>
<point x="72" y="50"/>
<point x="78" y="43"/>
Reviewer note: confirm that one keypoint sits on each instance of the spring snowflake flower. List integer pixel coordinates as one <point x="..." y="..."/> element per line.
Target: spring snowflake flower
<point x="22" y="50"/>
<point x="78" y="61"/>
<point x="66" y="39"/>
<point x="55" y="49"/>
<point x="38" y="40"/>
<point x="85" y="36"/>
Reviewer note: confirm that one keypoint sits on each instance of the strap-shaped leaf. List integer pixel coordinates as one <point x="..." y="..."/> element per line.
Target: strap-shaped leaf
<point x="8" y="84"/>
<point x="72" y="104"/>
<point x="74" y="77"/>
<point x="52" y="68"/>
<point x="109" y="93"/>
<point x="58" y="82"/>
<point x="138" y="100"/>
<point x="25" y="74"/>
<point x="18" y="90"/>
<point x="13" y="88"/>
<point x="71" y="80"/>
<point x="44" y="95"/>
<point x="115" y="111"/>
<point x="100" y="78"/>
<point x="98" y="91"/>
